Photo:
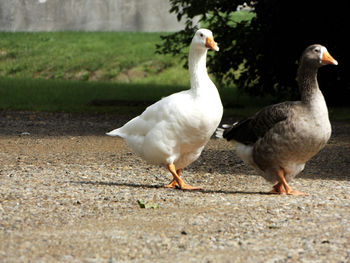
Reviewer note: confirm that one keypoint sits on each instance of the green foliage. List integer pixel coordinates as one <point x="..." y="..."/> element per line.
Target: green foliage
<point x="230" y="29"/>
<point x="259" y="51"/>
<point x="147" y="205"/>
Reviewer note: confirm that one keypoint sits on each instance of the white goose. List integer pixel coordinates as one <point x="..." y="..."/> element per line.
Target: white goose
<point x="173" y="131"/>
<point x="279" y="139"/>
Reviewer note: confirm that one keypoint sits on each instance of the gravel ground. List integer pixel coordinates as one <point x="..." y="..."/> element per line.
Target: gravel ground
<point x="69" y="194"/>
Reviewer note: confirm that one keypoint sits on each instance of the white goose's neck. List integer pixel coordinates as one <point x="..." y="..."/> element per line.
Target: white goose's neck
<point x="197" y="66"/>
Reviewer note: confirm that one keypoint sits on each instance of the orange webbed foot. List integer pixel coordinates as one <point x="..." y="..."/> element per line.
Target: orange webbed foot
<point x="283" y="188"/>
<point x="178" y="182"/>
<point x="173" y="184"/>
<point x="190" y="187"/>
<point x="297" y="193"/>
<point x="183" y="186"/>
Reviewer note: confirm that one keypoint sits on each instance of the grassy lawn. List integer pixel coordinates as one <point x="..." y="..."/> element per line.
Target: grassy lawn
<point x="76" y="96"/>
<point x="76" y="71"/>
<point x="79" y="96"/>
<point x="88" y="56"/>
<point x="69" y="71"/>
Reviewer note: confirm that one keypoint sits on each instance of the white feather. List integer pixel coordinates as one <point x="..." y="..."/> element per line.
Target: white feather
<point x="113" y="133"/>
<point x="219" y="133"/>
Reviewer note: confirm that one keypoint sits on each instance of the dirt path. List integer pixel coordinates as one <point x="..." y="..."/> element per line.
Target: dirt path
<point x="69" y="194"/>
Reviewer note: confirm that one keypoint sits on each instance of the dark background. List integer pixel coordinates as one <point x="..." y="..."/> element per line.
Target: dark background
<point x="271" y="43"/>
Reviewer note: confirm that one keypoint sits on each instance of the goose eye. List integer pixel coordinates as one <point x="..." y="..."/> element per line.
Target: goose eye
<point x="201" y="34"/>
<point x="317" y="50"/>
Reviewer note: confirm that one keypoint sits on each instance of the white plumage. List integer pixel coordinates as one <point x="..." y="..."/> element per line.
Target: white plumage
<point x="174" y="130"/>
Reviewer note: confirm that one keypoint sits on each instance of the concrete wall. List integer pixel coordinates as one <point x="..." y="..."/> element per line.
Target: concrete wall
<point x="87" y="15"/>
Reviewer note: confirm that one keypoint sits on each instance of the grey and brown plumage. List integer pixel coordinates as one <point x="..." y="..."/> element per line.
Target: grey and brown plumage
<point x="279" y="139"/>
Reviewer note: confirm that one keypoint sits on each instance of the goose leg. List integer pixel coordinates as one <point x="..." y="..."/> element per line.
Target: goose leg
<point x="278" y="189"/>
<point x="287" y="188"/>
<point x="178" y="180"/>
<point x="173" y="183"/>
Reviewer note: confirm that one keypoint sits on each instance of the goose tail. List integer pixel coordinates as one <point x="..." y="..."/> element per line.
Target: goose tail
<point x="115" y="132"/>
<point x="220" y="132"/>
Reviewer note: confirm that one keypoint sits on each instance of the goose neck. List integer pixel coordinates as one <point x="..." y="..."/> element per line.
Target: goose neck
<point x="307" y="82"/>
<point x="197" y="66"/>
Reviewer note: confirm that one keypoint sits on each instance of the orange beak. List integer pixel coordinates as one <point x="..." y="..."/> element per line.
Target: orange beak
<point x="328" y="59"/>
<point x="210" y="43"/>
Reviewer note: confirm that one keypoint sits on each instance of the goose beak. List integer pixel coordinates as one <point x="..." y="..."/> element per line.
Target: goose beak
<point x="328" y="59"/>
<point x="210" y="43"/>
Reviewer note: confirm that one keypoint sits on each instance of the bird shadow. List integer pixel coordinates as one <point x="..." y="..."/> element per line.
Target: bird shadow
<point x="331" y="163"/>
<point x="134" y="185"/>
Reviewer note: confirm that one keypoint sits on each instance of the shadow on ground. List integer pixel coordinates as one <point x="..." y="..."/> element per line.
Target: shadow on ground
<point x="135" y="185"/>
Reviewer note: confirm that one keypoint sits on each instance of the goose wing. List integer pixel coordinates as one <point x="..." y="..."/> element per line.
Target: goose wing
<point x="249" y="130"/>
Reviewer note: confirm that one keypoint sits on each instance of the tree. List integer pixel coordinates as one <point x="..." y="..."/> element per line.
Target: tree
<point x="265" y="49"/>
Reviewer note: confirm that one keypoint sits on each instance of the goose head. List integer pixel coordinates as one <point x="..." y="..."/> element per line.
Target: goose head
<point x="317" y="55"/>
<point x="203" y="39"/>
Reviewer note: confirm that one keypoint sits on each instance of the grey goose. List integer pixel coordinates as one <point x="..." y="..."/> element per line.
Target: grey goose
<point x="279" y="139"/>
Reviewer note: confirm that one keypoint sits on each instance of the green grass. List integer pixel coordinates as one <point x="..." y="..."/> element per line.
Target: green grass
<point x="88" y="56"/>
<point x="79" y="96"/>
<point x="74" y="96"/>
<point x="68" y="71"/>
